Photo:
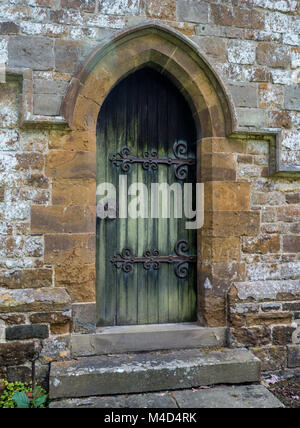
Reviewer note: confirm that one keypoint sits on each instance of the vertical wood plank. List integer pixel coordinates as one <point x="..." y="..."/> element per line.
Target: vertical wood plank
<point x="145" y="112"/>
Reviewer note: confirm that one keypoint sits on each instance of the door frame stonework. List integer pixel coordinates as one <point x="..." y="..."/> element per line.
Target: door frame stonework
<point x="177" y="57"/>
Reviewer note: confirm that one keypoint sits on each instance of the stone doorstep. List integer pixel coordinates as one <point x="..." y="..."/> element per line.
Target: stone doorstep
<point x="118" y="340"/>
<point x="226" y="397"/>
<point x="154" y="371"/>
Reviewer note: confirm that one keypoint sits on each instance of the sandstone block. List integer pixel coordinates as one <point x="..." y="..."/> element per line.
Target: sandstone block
<point x="74" y="192"/>
<point x="221" y="249"/>
<point x="213" y="47"/>
<point x="254" y="337"/>
<point x="262" y="244"/>
<point x="57" y="219"/>
<point x="224" y="196"/>
<point x="293" y="198"/>
<point x="70" y="249"/>
<point x="13" y="354"/>
<point x="293" y="356"/>
<point x="255" y="117"/>
<point x="47" y="105"/>
<point x="84" y="318"/>
<point x="292" y="98"/>
<point x="71" y="165"/>
<point x="235" y="223"/>
<point x="282" y="335"/>
<point x="118" y="7"/>
<point x="269" y="319"/>
<point x="25" y="332"/>
<point x="31" y="300"/>
<point x="192" y="11"/>
<point x="291" y="244"/>
<point x="273" y="358"/>
<point x="31" y="52"/>
<point x="9" y="28"/>
<point x="248" y="18"/>
<point x="218" y="167"/>
<point x="31" y="278"/>
<point x="84" y="5"/>
<point x="241" y="52"/>
<point x="13" y="319"/>
<point x="273" y="55"/>
<point x="78" y="280"/>
<point x="221" y="15"/>
<point x="59" y="321"/>
<point x="244" y="94"/>
<point x="165" y="9"/>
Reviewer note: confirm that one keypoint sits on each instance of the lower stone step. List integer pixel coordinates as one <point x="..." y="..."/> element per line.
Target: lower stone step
<point x="155" y="371"/>
<point x="221" y="397"/>
<point x="142" y="338"/>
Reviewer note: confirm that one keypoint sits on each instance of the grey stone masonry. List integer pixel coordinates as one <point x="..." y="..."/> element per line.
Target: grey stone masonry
<point x="146" y="372"/>
<point x="116" y="340"/>
<point x="221" y="397"/>
<point x="47" y="104"/>
<point x="31" y="52"/>
<point x="192" y="11"/>
<point x="292" y="98"/>
<point x="245" y="94"/>
<point x="23" y="332"/>
<point x="294" y="356"/>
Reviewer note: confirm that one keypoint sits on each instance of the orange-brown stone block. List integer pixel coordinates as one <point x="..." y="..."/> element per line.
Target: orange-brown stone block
<point x="255" y="336"/>
<point x="221" y="249"/>
<point x="269" y="318"/>
<point x="78" y="280"/>
<point x="222" y="145"/>
<point x="214" y="311"/>
<point x="73" y="141"/>
<point x="58" y="219"/>
<point x="31" y="278"/>
<point x="165" y="9"/>
<point x="233" y="223"/>
<point x="226" y="196"/>
<point x="71" y="165"/>
<point x="273" y="358"/>
<point x="74" y="192"/>
<point x="70" y="249"/>
<point x="218" y="167"/>
<point x="262" y="244"/>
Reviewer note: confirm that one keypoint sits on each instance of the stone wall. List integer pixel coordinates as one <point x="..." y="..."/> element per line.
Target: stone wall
<point x="264" y="303"/>
<point x="253" y="44"/>
<point x="47" y="174"/>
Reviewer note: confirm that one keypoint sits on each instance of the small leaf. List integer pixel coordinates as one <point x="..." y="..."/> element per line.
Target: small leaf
<point x="37" y="402"/>
<point x="21" y="400"/>
<point x="38" y="391"/>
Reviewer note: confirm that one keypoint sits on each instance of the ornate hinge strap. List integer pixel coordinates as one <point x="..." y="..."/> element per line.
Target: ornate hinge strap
<point x="150" y="161"/>
<point x="152" y="260"/>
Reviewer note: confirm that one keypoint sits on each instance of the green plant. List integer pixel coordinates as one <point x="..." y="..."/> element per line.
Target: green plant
<point x="20" y="395"/>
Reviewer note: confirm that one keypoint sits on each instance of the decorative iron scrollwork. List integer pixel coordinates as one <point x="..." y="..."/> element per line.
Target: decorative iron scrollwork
<point x="152" y="260"/>
<point x="150" y="160"/>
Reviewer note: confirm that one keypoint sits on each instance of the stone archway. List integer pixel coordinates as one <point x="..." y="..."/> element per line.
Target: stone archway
<point x="162" y="47"/>
<point x="174" y="55"/>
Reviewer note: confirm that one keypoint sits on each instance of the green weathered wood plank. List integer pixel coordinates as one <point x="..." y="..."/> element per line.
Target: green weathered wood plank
<point x="144" y="112"/>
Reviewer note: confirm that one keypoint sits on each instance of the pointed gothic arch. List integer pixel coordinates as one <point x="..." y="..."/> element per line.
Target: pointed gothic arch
<point x="166" y="50"/>
<point x="161" y="47"/>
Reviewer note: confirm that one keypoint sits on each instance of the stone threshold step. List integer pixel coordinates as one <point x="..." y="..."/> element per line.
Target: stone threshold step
<point x="154" y="371"/>
<point x="117" y="340"/>
<point x="220" y="397"/>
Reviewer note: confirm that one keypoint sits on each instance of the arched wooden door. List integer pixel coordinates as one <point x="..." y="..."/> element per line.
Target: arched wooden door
<point x="145" y="115"/>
